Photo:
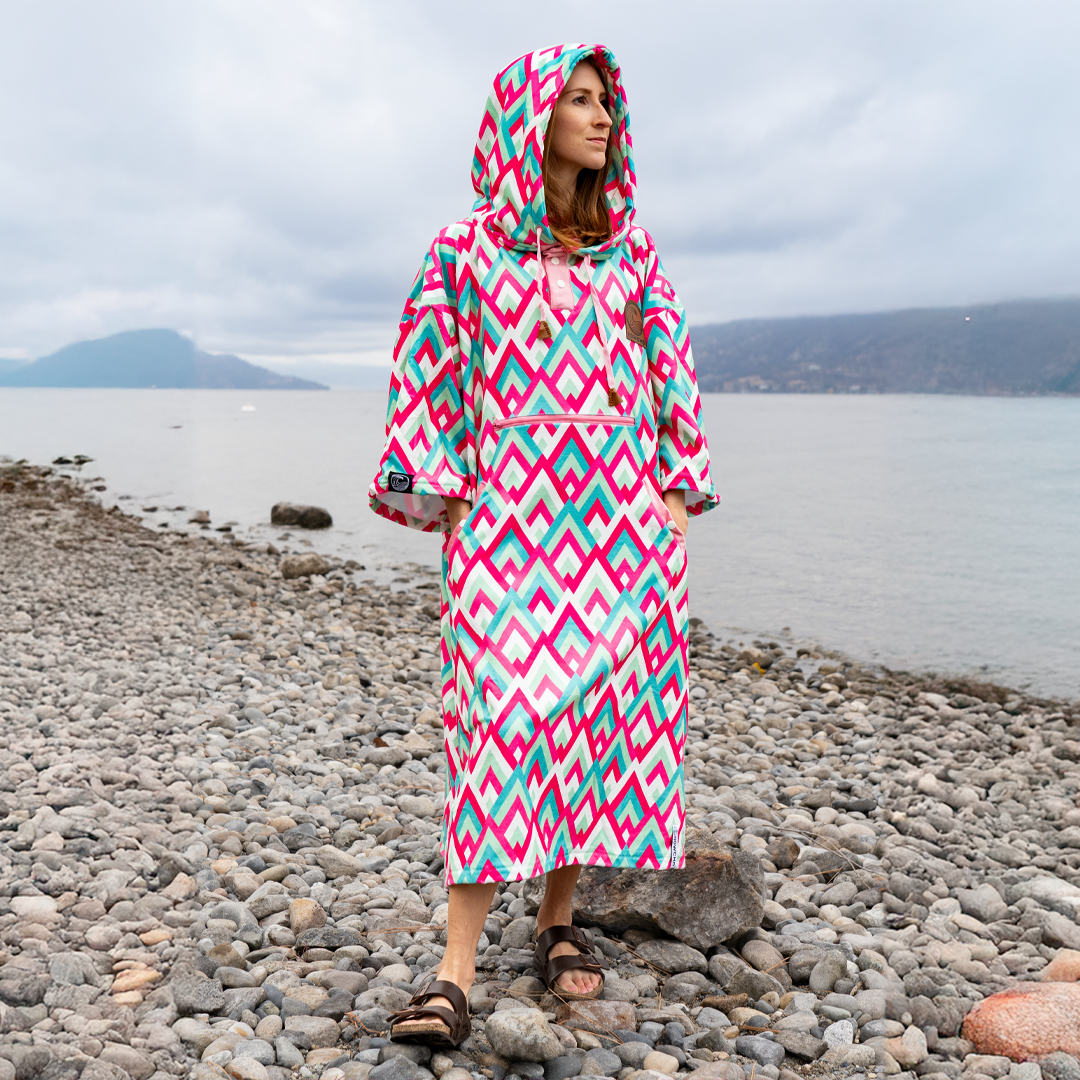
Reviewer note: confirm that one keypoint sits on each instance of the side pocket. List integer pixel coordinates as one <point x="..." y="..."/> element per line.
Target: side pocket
<point x="679" y="535"/>
<point x="453" y="544"/>
<point x="455" y="537"/>
<point x="665" y="514"/>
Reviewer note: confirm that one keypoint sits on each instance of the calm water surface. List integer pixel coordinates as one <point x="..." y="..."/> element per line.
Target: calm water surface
<point x="923" y="532"/>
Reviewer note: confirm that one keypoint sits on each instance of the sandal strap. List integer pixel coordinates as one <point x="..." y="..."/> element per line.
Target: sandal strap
<point x="556" y="965"/>
<point x="443" y="988"/>
<point x="457" y="1019"/>
<point x="554" y="934"/>
<point x="551" y="967"/>
<point x="404" y="1016"/>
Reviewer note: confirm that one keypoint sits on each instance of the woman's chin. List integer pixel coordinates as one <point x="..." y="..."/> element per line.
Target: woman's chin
<point x="592" y="161"/>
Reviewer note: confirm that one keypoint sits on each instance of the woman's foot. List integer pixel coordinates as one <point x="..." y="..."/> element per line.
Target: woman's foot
<point x="464" y="984"/>
<point x="575" y="980"/>
<point x="556" y="910"/>
<point x="437" y="1016"/>
<point x="469" y="905"/>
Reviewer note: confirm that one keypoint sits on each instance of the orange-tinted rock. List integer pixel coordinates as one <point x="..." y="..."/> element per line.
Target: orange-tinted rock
<point x="1065" y="967"/>
<point x="1027" y="1021"/>
<point x="182" y="887"/>
<point x="134" y="978"/>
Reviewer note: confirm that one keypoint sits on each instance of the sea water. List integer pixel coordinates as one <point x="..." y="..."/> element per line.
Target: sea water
<point x="920" y="532"/>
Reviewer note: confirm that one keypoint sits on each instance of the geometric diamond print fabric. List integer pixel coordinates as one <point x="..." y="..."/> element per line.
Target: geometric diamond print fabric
<point x="564" y="599"/>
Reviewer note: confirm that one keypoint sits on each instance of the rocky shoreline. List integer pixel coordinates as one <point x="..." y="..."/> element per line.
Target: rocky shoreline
<point x="221" y="788"/>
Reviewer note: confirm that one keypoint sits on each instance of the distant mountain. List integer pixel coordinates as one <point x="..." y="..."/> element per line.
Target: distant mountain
<point x="148" y="358"/>
<point x="10" y="365"/>
<point x="339" y="376"/>
<point x="1021" y="347"/>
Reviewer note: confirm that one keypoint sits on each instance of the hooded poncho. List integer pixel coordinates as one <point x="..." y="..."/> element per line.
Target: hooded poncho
<point x="564" y="605"/>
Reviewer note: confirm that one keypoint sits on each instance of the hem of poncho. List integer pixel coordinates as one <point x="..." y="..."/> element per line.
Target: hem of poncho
<point x="583" y="859"/>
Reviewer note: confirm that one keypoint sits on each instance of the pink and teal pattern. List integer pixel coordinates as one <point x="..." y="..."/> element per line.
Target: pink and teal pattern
<point x="564" y="607"/>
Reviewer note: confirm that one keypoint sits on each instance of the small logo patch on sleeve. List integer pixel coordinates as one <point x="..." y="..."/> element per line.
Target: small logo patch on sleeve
<point x="400" y="481"/>
<point x="635" y="324"/>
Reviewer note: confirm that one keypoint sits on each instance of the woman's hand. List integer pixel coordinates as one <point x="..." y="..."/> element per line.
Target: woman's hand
<point x="457" y="510"/>
<point x="675" y="500"/>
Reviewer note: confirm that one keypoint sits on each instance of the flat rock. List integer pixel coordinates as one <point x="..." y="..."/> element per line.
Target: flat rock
<point x="135" y="1063"/>
<point x="321" y="1030"/>
<point x="328" y="937"/>
<point x="763" y="1051"/>
<point x="860" y="1056"/>
<point x="599" y="1017"/>
<point x="718" y="1070"/>
<point x="33" y="908"/>
<point x="800" y="1044"/>
<point x="335" y="863"/>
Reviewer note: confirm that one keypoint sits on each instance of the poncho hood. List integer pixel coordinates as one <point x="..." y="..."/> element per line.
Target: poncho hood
<point x="506" y="168"/>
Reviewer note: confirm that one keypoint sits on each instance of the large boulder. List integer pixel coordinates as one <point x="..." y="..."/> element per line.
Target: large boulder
<point x="1027" y="1021"/>
<point x="306" y="517"/>
<point x="716" y="896"/>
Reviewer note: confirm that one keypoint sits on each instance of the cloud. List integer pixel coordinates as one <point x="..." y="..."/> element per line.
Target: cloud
<point x="266" y="175"/>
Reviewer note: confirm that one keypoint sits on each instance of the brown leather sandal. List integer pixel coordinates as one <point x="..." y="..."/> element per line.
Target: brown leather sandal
<point x="551" y="968"/>
<point x="441" y="1027"/>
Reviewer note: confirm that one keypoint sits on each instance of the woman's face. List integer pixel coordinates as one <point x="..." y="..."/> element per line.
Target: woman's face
<point x="581" y="126"/>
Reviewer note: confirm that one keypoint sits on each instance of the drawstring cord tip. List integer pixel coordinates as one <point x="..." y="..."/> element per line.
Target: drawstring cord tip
<point x="543" y="331"/>
<point x="613" y="400"/>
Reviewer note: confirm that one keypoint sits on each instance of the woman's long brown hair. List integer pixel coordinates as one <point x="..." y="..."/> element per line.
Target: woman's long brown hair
<point x="580" y="219"/>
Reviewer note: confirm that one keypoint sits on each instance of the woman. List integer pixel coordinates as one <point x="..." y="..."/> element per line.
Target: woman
<point x="544" y="416"/>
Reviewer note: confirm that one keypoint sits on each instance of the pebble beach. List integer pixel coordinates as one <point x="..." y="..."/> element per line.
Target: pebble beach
<point x="221" y="786"/>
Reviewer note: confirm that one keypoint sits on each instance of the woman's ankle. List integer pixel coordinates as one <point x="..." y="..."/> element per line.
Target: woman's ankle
<point x="548" y="918"/>
<point x="462" y="974"/>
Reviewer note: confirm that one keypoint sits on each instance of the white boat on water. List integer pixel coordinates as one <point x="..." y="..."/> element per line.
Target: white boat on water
<point x="247" y="408"/>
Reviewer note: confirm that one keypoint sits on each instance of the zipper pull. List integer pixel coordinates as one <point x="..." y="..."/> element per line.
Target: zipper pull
<point x="613" y="399"/>
<point x="543" y="331"/>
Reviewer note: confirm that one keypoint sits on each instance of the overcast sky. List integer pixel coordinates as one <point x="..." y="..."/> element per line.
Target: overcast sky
<point x="266" y="175"/>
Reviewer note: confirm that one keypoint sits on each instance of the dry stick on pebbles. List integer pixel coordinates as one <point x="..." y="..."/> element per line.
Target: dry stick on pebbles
<point x="223" y="801"/>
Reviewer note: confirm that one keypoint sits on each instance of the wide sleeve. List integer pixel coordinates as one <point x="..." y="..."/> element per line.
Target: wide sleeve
<point x="430" y="447"/>
<point x="683" y="453"/>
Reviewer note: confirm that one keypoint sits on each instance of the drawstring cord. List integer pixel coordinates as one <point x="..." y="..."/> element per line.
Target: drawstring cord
<point x="613" y="396"/>
<point x="543" y="329"/>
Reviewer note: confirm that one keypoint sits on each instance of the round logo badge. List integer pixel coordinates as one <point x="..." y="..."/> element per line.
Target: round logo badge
<point x="635" y="324"/>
